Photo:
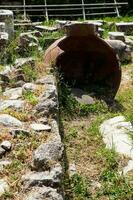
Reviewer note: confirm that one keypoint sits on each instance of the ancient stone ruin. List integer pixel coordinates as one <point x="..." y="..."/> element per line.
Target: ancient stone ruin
<point x="84" y="59"/>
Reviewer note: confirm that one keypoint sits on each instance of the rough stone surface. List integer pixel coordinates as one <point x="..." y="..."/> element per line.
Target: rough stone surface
<point x="41" y="193"/>
<point x="55" y="129"/>
<point x="2" y="152"/>
<point x="123" y="50"/>
<point x="13" y="93"/>
<point x="40" y="127"/>
<point x="49" y="79"/>
<point x="29" y="87"/>
<point x="11" y="104"/>
<point x="6" y="145"/>
<point x="82" y="97"/>
<point x="116" y="134"/>
<point x="47" y="153"/>
<point x="72" y="169"/>
<point x="3" y="187"/>
<point x="126" y="27"/>
<point x="46" y="28"/>
<point x="47" y="107"/>
<point x="61" y="23"/>
<point x="117" y="36"/>
<point x="129" y="42"/>
<point x="8" y="120"/>
<point x="43" y="120"/>
<point x="51" y="91"/>
<point x="48" y="178"/>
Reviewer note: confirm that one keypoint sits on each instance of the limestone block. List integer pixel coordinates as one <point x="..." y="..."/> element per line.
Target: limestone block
<point x="6" y="16"/>
<point x="117" y="36"/>
<point x="126" y="27"/>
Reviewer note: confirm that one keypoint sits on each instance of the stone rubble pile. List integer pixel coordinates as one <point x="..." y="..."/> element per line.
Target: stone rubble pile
<point x="45" y="177"/>
<point x="46" y="171"/>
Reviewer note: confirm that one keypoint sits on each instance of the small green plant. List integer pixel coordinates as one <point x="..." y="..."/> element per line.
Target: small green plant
<point x="115" y="186"/>
<point x="68" y="104"/>
<point x="80" y="187"/>
<point x="30" y="97"/>
<point x="110" y="156"/>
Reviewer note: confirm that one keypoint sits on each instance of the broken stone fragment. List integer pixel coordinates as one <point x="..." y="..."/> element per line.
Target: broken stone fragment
<point x="117" y="36"/>
<point x="46" y="28"/>
<point x="116" y="134"/>
<point x="47" y="153"/>
<point x="8" y="120"/>
<point x="13" y="93"/>
<point x="82" y="97"/>
<point x="41" y="193"/>
<point x="47" y="178"/>
<point x="55" y="130"/>
<point x="29" y="87"/>
<point x="72" y="169"/>
<point x="19" y="83"/>
<point x="51" y="91"/>
<point x="126" y="27"/>
<point x="3" y="187"/>
<point x="18" y="104"/>
<point x="6" y="145"/>
<point x="49" y="79"/>
<point x="48" y="107"/>
<point x="120" y="48"/>
<point x="40" y="127"/>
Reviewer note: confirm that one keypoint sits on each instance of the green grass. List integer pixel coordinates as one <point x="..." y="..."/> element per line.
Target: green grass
<point x="30" y="97"/>
<point x="84" y="146"/>
<point x="29" y="73"/>
<point x="80" y="187"/>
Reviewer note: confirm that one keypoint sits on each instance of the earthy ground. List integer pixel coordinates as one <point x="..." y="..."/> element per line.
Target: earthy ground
<point x="97" y="168"/>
